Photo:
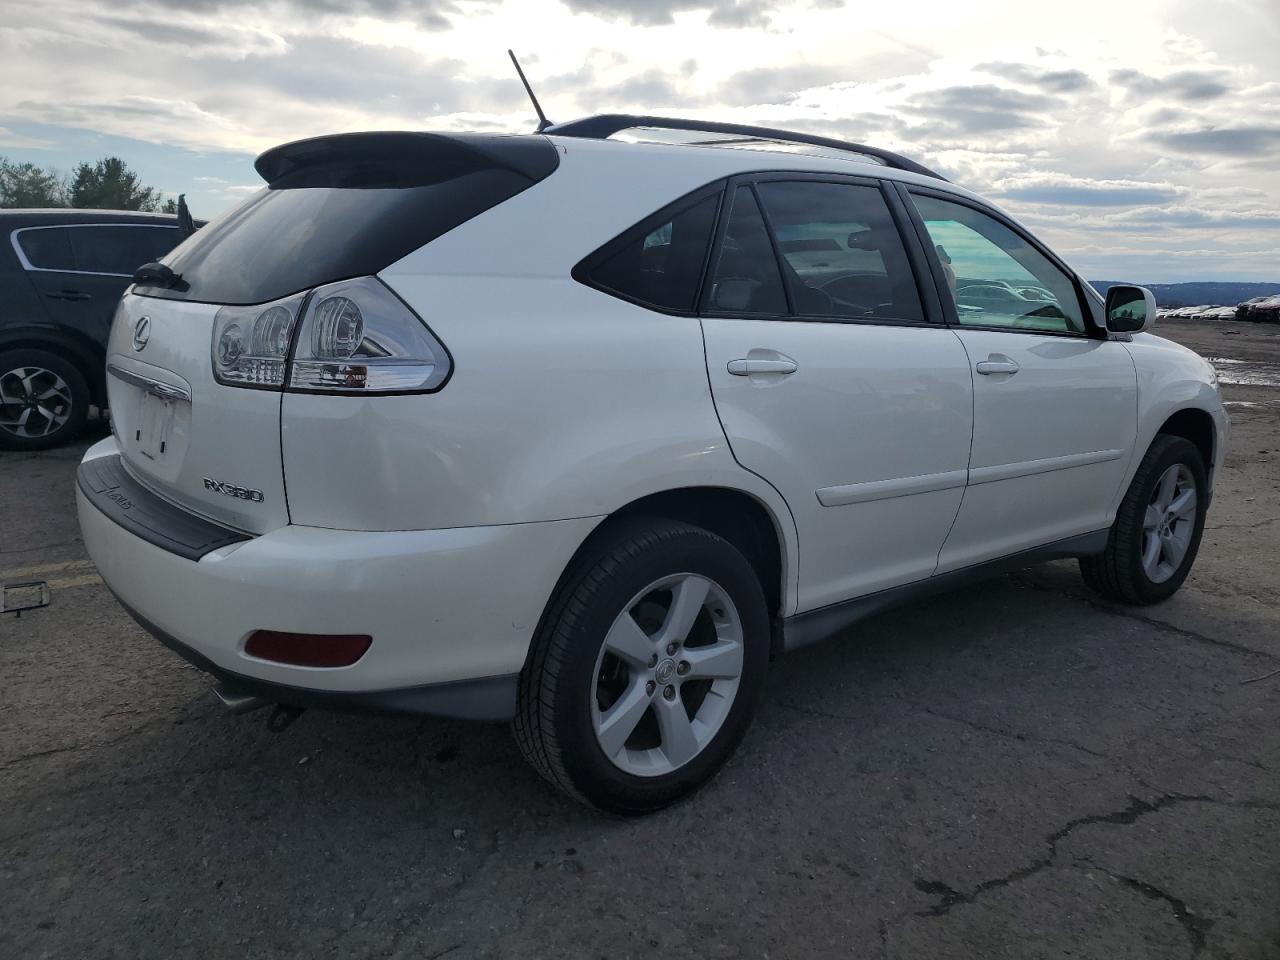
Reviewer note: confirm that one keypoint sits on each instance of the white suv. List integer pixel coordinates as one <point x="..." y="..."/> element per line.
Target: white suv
<point x="583" y="431"/>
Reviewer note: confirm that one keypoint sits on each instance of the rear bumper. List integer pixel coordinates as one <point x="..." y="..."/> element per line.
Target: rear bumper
<point x="451" y="612"/>
<point x="489" y="698"/>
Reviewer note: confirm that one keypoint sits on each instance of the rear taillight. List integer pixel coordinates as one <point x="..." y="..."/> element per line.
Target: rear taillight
<point x="353" y="336"/>
<point x="251" y="344"/>
<point x="308" y="649"/>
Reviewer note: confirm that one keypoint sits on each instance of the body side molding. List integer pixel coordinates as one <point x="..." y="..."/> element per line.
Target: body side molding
<point x="889" y="489"/>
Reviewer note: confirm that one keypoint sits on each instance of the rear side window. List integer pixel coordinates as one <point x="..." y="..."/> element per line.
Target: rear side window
<point x="119" y="249"/>
<point x="660" y="265"/>
<point x="96" y="248"/>
<point x="746" y="278"/>
<point x="47" y="248"/>
<point x="842" y="250"/>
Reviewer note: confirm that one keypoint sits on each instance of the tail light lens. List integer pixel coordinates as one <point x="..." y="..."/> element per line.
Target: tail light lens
<point x="354" y="337"/>
<point x="251" y="344"/>
<point x="359" y="337"/>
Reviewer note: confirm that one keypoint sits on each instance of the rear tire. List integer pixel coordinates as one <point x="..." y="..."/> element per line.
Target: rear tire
<point x="44" y="400"/>
<point x="647" y="667"/>
<point x="1157" y="530"/>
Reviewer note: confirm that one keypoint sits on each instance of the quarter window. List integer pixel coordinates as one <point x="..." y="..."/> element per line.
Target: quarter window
<point x="48" y="248"/>
<point x="996" y="277"/>
<point x="662" y="266"/>
<point x="842" y="250"/>
<point x="746" y="278"/>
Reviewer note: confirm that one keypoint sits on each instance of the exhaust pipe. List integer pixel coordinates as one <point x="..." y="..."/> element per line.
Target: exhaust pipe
<point x="236" y="702"/>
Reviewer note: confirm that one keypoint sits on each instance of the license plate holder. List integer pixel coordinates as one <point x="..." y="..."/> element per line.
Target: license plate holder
<point x="154" y="422"/>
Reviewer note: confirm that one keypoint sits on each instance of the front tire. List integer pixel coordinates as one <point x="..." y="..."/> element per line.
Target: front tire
<point x="647" y="668"/>
<point x="1157" y="530"/>
<point x="44" y="400"/>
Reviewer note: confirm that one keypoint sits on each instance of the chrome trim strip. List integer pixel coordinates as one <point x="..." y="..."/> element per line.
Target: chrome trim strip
<point x="889" y="489"/>
<point x="28" y="266"/>
<point x="166" y="390"/>
<point x="1029" y="468"/>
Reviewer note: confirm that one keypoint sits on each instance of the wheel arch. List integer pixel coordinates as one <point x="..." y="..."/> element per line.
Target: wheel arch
<point x="88" y="357"/>
<point x="740" y="517"/>
<point x="1197" y="426"/>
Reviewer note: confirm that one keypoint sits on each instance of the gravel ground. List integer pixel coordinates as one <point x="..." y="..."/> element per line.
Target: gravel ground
<point x="1016" y="770"/>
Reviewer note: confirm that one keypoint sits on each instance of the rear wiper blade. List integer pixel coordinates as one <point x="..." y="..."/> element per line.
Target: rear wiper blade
<point x="158" y="275"/>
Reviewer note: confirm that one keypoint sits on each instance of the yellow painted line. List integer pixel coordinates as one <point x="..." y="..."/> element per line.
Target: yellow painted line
<point x="66" y="566"/>
<point x="69" y="583"/>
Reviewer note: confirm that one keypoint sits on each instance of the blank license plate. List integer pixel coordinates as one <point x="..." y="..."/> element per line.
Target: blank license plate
<point x="153" y="426"/>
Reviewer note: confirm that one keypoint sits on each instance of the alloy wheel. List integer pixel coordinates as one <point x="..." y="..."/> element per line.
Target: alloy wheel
<point x="667" y="675"/>
<point x="1169" y="523"/>
<point x="34" y="402"/>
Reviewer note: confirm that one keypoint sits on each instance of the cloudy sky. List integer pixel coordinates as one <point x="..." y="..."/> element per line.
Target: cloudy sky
<point x="1139" y="138"/>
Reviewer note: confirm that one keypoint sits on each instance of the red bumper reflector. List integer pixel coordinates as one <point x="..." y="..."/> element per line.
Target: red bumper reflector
<point x="308" y="649"/>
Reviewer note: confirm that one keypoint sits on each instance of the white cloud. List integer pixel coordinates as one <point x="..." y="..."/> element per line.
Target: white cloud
<point x="1146" y="119"/>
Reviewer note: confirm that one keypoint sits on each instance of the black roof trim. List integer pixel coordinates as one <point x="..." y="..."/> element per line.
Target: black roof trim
<point x="605" y="125"/>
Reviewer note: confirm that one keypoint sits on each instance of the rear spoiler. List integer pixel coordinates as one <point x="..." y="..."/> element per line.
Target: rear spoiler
<point x="401" y="159"/>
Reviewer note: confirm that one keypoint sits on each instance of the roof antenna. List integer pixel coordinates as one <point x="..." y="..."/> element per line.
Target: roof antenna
<point x="543" y="122"/>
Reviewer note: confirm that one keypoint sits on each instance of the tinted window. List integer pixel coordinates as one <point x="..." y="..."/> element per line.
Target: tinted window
<point x="996" y="277"/>
<point x="119" y="248"/>
<point x="842" y="249"/>
<point x="662" y="266"/>
<point x="48" y="248"/>
<point x="746" y="277"/>
<point x="351" y="205"/>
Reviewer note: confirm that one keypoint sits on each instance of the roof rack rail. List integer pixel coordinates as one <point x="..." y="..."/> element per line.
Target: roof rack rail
<point x="604" y="125"/>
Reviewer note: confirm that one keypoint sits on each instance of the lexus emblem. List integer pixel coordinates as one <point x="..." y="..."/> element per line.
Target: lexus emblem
<point x="141" y="332"/>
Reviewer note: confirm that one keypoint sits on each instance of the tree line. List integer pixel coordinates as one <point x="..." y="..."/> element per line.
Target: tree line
<point x="107" y="184"/>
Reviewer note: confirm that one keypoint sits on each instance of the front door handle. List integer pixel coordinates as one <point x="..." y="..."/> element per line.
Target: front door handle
<point x="69" y="295"/>
<point x="996" y="363"/>
<point x="746" y="367"/>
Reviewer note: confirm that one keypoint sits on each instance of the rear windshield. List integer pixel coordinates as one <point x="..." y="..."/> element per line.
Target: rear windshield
<point x="348" y="206"/>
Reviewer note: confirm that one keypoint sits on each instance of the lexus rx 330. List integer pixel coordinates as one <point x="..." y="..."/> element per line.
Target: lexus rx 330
<point x="582" y="432"/>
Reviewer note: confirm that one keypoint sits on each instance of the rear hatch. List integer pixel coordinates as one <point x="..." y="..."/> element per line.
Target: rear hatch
<point x="334" y="208"/>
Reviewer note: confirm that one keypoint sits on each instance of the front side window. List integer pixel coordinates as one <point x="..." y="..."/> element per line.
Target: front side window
<point x="47" y="248"/>
<point x="842" y="250"/>
<point x="662" y="266"/>
<point x="996" y="277"/>
<point x="117" y="248"/>
<point x="746" y="278"/>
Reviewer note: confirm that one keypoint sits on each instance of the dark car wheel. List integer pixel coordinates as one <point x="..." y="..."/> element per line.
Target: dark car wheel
<point x="44" y="400"/>
<point x="647" y="668"/>
<point x="1157" y="530"/>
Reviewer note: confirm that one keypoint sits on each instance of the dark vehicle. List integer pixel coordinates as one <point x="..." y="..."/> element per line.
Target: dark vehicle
<point x="61" y="275"/>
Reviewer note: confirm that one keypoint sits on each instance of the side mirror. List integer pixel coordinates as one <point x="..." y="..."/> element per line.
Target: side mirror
<point x="1130" y="309"/>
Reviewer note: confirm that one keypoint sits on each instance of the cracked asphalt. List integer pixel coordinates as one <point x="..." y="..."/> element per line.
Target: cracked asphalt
<point x="1016" y="770"/>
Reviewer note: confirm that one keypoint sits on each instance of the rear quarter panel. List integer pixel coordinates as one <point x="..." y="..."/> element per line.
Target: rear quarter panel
<point x="564" y="402"/>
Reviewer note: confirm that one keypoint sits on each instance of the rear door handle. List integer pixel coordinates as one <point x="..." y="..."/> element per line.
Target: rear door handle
<point x="746" y="367"/>
<point x="996" y="363"/>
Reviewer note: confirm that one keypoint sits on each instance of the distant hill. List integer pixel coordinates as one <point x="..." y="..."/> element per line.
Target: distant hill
<point x="1225" y="293"/>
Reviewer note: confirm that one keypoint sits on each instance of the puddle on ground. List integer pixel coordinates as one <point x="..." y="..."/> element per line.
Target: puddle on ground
<point x="1246" y="373"/>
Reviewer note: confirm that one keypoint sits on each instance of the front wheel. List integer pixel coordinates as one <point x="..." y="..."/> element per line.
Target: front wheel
<point x="647" y="668"/>
<point x="1157" y="530"/>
